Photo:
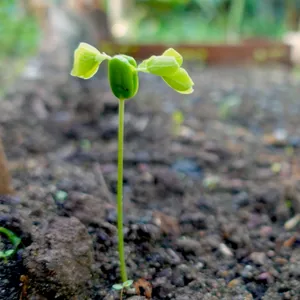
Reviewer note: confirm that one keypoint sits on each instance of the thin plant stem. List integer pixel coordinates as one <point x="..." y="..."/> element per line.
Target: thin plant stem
<point x="120" y="190"/>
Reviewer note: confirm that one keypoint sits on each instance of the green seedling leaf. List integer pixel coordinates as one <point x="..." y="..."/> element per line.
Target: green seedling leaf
<point x="142" y="67"/>
<point x="127" y="283"/>
<point x="118" y="287"/>
<point x="87" y="60"/>
<point x="85" y="144"/>
<point x="172" y="52"/>
<point x="211" y="182"/>
<point x="61" y="196"/>
<point x="7" y="253"/>
<point x="15" y="240"/>
<point x="162" y="65"/>
<point x="288" y="203"/>
<point x="227" y="107"/>
<point x="181" y="82"/>
<point x="276" y="167"/>
<point x="178" y="117"/>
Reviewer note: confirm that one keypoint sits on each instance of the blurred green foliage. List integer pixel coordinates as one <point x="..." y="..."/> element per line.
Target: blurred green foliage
<point x="19" y="33"/>
<point x="211" y="20"/>
<point x="19" y="37"/>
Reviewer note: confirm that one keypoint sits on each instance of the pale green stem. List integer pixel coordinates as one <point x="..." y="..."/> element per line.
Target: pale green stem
<point x="120" y="190"/>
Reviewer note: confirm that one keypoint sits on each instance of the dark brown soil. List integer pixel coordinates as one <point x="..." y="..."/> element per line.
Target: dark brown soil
<point x="205" y="204"/>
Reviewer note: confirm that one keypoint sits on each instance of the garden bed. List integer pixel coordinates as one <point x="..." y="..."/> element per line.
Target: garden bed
<point x="249" y="51"/>
<point x="205" y="206"/>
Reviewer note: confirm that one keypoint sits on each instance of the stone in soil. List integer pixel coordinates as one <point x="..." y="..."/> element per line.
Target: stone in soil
<point x="59" y="261"/>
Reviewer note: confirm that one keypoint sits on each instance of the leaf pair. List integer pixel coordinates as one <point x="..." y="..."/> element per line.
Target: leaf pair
<point x="87" y="60"/>
<point x="121" y="286"/>
<point x="168" y="66"/>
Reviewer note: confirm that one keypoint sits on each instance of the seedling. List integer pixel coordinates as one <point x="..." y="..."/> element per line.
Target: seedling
<point x="15" y="240"/>
<point x="178" y="119"/>
<point x="122" y="286"/>
<point x="124" y="82"/>
<point x="60" y="197"/>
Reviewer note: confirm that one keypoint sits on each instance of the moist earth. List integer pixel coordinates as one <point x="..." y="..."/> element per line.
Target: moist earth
<point x="209" y="204"/>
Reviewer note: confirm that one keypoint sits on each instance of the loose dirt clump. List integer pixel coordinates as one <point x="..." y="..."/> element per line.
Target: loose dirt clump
<point x="59" y="260"/>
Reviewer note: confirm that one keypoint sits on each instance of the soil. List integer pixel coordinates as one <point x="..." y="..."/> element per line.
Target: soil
<point x="206" y="202"/>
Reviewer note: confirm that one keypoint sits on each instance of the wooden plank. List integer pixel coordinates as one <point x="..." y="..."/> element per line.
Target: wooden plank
<point x="247" y="52"/>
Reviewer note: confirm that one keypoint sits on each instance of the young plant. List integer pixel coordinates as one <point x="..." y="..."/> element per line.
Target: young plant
<point x="178" y="119"/>
<point x="124" y="82"/>
<point x="15" y="241"/>
<point x="122" y="286"/>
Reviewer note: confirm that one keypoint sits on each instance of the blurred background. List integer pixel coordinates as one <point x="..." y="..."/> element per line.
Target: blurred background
<point x="30" y="26"/>
<point x="213" y="21"/>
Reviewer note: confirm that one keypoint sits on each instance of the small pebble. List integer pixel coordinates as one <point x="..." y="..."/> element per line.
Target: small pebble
<point x="290" y="242"/>
<point x="241" y="200"/>
<point x="247" y="272"/>
<point x="271" y="253"/>
<point x="281" y="261"/>
<point x="174" y="257"/>
<point x="199" y="266"/>
<point x="167" y="224"/>
<point x="249" y="297"/>
<point x="265" y="231"/>
<point x="266" y="277"/>
<point x="225" y="250"/>
<point x="233" y="283"/>
<point x="292" y="223"/>
<point x="188" y="245"/>
<point x="258" y="258"/>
